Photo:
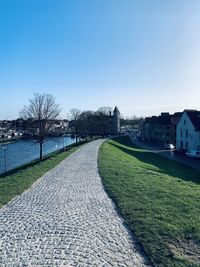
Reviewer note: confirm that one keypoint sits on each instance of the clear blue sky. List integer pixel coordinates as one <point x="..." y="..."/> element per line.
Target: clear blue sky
<point x="143" y="56"/>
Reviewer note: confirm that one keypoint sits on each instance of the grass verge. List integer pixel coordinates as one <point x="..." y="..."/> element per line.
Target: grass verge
<point x="158" y="198"/>
<point x="18" y="180"/>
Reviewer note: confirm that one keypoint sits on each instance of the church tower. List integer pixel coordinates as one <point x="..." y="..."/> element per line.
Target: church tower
<point x="116" y="120"/>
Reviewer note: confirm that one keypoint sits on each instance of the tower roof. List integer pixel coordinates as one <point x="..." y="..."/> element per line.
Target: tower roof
<point x="116" y="109"/>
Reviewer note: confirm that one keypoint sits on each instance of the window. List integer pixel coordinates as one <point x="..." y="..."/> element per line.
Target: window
<point x="186" y="145"/>
<point x="181" y="144"/>
<point x="184" y="122"/>
<point x="186" y="133"/>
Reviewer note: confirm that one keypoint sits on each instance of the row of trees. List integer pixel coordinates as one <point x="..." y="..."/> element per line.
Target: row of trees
<point x="44" y="111"/>
<point x="90" y="122"/>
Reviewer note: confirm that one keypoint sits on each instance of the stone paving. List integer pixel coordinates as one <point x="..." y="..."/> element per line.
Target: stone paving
<point x="66" y="219"/>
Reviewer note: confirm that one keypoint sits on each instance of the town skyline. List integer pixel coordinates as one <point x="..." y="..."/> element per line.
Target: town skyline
<point x="142" y="56"/>
<point x="66" y="116"/>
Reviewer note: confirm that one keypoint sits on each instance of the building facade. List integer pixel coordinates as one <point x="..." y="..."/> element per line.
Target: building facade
<point x="116" y="121"/>
<point x="107" y="124"/>
<point x="188" y="131"/>
<point x="161" y="129"/>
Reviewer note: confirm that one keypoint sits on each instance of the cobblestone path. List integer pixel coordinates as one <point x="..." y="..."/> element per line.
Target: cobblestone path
<point x="66" y="219"/>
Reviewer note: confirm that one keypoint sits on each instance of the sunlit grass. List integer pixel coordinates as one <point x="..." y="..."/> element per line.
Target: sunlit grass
<point x="158" y="198"/>
<point x="15" y="183"/>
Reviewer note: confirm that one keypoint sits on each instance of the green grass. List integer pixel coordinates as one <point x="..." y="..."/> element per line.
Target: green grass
<point x="16" y="181"/>
<point x="158" y="198"/>
<point x="20" y="179"/>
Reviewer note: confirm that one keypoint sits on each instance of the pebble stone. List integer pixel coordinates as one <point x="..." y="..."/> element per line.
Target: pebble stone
<point x="67" y="219"/>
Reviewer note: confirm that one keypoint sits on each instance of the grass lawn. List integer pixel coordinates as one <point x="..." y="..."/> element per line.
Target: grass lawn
<point x="158" y="198"/>
<point x="14" y="184"/>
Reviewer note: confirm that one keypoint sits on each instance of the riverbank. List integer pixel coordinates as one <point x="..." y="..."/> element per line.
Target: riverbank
<point x="158" y="199"/>
<point x="22" y="152"/>
<point x="67" y="219"/>
<point x="13" y="139"/>
<point x="28" y="137"/>
<point x="15" y="183"/>
<point x="19" y="179"/>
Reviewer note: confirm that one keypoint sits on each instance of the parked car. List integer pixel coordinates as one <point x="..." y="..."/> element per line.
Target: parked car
<point x="170" y="146"/>
<point x="193" y="154"/>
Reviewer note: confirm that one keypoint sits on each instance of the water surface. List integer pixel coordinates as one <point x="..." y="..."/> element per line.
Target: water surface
<point x="21" y="152"/>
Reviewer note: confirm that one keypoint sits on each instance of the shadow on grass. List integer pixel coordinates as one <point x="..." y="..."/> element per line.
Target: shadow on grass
<point x="165" y="166"/>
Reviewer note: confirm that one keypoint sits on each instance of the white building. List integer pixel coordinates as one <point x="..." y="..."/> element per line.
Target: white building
<point x="188" y="131"/>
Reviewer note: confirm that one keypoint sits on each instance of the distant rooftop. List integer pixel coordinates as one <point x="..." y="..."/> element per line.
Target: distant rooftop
<point x="165" y="118"/>
<point x="194" y="116"/>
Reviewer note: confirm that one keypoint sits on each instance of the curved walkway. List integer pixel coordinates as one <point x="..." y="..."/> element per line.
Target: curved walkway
<point x="66" y="219"/>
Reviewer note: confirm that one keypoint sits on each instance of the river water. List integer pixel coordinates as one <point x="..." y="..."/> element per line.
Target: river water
<point x="21" y="152"/>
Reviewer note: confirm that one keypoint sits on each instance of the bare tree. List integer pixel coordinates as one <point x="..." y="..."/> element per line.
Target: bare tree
<point x="44" y="111"/>
<point x="87" y="123"/>
<point x="104" y="110"/>
<point x="75" y="121"/>
<point x="102" y="119"/>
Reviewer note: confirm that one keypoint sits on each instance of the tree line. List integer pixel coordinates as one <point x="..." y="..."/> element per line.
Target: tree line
<point x="44" y="110"/>
<point x="89" y="123"/>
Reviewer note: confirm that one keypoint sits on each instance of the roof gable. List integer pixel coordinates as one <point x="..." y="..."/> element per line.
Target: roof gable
<point x="194" y="117"/>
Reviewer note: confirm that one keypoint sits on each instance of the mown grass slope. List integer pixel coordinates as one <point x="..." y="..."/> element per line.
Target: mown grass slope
<point x="158" y="198"/>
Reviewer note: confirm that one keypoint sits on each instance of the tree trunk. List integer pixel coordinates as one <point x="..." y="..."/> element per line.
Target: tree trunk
<point x="41" y="151"/>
